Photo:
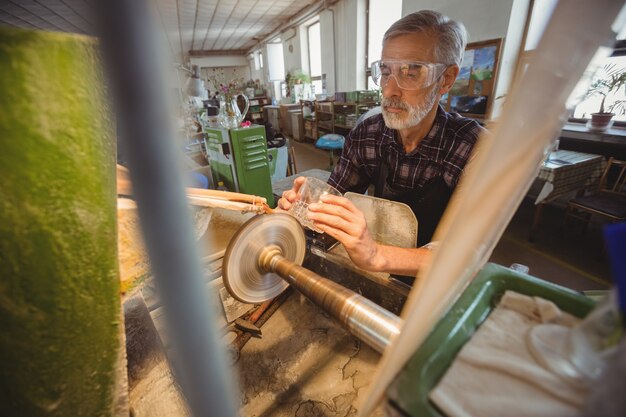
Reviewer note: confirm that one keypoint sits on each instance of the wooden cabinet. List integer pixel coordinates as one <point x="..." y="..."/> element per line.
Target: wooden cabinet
<point x="309" y="131"/>
<point x="297" y="126"/>
<point x="322" y="117"/>
<point x="284" y="118"/>
<point x="255" y="111"/>
<point x="347" y="114"/>
<point x="271" y="115"/>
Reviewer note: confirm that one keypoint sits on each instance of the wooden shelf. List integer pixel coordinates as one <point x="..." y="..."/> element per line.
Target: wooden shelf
<point x="255" y="111"/>
<point x="330" y="116"/>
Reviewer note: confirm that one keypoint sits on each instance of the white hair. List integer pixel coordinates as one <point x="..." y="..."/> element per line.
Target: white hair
<point x="451" y="35"/>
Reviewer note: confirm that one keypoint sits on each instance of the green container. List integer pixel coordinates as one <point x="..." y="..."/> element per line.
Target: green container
<point x="352" y="96"/>
<point x="368" y="96"/>
<point x="409" y="392"/>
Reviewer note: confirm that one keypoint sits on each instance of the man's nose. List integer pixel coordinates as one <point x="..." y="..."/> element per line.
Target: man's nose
<point x="391" y="88"/>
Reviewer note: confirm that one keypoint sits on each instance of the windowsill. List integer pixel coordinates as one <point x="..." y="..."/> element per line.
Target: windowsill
<point x="580" y="131"/>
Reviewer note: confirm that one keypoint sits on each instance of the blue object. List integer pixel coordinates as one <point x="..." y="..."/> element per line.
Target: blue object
<point x="615" y="236"/>
<point x="197" y="180"/>
<point x="330" y="142"/>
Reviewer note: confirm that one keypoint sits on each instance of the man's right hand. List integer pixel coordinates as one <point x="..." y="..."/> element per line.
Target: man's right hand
<point x="291" y="196"/>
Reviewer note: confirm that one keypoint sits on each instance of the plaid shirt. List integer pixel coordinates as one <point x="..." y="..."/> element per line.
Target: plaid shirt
<point x="442" y="153"/>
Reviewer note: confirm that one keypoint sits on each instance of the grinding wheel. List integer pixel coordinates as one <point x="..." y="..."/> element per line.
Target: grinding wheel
<point x="243" y="277"/>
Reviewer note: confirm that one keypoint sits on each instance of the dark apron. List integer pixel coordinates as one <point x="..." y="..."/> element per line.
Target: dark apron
<point x="427" y="203"/>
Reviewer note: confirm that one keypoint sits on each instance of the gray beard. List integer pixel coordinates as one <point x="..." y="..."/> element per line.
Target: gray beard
<point x="416" y="113"/>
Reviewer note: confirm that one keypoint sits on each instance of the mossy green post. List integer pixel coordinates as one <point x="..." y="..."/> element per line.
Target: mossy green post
<point x="59" y="298"/>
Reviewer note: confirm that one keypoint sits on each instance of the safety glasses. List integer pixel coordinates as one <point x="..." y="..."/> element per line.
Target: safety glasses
<point x="409" y="75"/>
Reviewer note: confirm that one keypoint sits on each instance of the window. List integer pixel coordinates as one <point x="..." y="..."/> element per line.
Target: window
<point x="380" y="15"/>
<point x="591" y="104"/>
<point x="588" y="105"/>
<point x="276" y="61"/>
<point x="315" y="56"/>
<point x="540" y="12"/>
<point x="261" y="59"/>
<point x="256" y="61"/>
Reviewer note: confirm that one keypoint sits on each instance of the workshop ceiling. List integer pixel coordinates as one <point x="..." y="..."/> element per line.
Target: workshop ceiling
<point x="195" y="27"/>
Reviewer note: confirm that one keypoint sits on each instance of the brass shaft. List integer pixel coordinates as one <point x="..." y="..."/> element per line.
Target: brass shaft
<point x="363" y="318"/>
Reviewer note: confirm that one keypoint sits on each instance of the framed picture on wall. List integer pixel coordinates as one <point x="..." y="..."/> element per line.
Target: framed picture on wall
<point x="473" y="91"/>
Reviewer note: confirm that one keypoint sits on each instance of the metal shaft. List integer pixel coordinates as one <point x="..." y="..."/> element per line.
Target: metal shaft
<point x="364" y="319"/>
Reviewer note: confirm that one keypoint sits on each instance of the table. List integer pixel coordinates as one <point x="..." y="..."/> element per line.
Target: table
<point x="564" y="172"/>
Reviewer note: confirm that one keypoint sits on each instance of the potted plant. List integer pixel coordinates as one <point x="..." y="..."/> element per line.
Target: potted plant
<point x="296" y="82"/>
<point x="613" y="80"/>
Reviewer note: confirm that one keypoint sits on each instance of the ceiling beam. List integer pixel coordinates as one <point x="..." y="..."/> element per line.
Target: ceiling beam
<point x="199" y="53"/>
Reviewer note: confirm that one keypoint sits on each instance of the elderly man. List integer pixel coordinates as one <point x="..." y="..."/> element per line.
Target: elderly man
<point x="414" y="152"/>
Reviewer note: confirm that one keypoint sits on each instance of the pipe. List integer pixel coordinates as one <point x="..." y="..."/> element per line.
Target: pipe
<point x="364" y="319"/>
<point x="141" y="104"/>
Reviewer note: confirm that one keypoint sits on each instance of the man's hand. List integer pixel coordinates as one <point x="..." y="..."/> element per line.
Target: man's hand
<point x="291" y="196"/>
<point x="338" y="217"/>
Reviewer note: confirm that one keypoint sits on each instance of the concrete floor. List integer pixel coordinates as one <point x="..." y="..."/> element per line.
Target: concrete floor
<point x="565" y="256"/>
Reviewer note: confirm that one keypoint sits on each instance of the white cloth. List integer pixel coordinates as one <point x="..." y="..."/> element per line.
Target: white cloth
<point x="495" y="374"/>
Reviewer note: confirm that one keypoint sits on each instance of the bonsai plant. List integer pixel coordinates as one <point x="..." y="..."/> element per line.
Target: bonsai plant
<point x="613" y="80"/>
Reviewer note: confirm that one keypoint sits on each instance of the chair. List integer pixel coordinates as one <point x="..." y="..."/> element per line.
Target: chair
<point x="609" y="200"/>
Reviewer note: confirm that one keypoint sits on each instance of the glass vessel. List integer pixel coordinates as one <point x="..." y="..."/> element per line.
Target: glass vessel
<point x="229" y="115"/>
<point x="310" y="192"/>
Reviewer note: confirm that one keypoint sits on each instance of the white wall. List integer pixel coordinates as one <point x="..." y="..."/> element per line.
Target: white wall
<point x="330" y="51"/>
<point x="234" y="72"/>
<point x="292" y="51"/>
<point x="350" y="45"/>
<point x="226" y="63"/>
<point x="483" y="19"/>
<point x="303" y="35"/>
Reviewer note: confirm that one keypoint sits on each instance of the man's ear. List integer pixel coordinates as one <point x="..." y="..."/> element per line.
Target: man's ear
<point x="449" y="76"/>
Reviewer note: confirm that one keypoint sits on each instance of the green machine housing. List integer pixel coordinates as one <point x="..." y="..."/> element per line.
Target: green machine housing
<point x="239" y="158"/>
<point x="410" y="391"/>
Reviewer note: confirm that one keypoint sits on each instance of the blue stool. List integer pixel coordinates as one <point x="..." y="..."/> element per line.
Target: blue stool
<point x="197" y="180"/>
<point x="330" y="142"/>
